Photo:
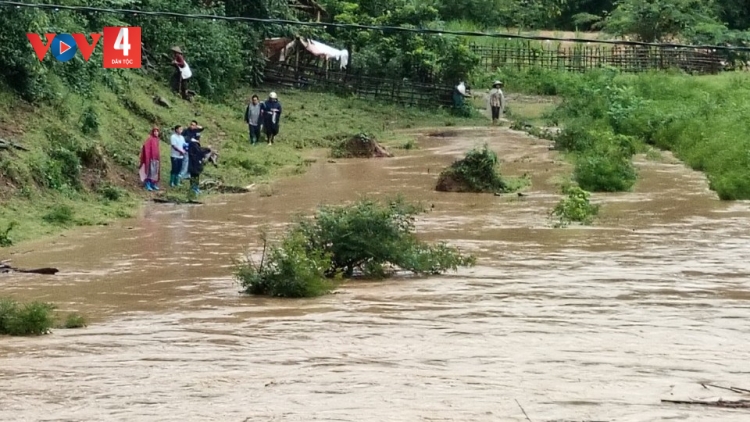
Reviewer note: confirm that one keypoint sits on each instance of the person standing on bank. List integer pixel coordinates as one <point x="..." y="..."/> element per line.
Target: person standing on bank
<point x="252" y="118"/>
<point x="497" y="101"/>
<point x="150" y="167"/>
<point x="177" y="155"/>
<point x="196" y="157"/>
<point x="183" y="73"/>
<point x="193" y="131"/>
<point x="271" y="115"/>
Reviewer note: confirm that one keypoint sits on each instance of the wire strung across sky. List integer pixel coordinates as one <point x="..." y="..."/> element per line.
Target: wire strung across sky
<point x="359" y="27"/>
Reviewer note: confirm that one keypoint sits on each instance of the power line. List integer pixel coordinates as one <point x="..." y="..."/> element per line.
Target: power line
<point x="361" y="27"/>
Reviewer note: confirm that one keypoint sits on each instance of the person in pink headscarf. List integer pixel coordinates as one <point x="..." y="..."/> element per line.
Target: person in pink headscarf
<point x="150" y="167"/>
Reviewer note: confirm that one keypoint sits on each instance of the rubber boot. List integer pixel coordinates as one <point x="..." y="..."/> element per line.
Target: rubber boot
<point x="148" y="186"/>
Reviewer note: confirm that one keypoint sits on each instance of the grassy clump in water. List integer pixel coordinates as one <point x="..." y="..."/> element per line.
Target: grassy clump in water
<point x="576" y="207"/>
<point x="33" y="318"/>
<point x="366" y="238"/>
<point x="74" y="320"/>
<point x="477" y="172"/>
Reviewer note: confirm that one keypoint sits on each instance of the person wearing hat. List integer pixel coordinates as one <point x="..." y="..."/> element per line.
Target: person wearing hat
<point x="497" y="101"/>
<point x="271" y="111"/>
<point x="182" y="74"/>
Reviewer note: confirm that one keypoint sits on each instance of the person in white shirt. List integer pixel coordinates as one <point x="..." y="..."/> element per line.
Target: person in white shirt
<point x="182" y="74"/>
<point x="177" y="155"/>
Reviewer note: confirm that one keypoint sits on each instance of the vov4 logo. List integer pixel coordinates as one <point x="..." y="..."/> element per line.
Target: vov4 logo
<point x="122" y="46"/>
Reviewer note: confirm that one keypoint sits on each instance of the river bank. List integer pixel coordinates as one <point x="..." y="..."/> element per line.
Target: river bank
<point x="80" y="167"/>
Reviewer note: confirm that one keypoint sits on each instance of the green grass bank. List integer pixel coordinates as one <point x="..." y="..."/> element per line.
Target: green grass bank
<point x="80" y="166"/>
<point x="607" y="117"/>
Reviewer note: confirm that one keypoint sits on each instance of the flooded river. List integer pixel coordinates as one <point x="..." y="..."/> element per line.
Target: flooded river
<point x="596" y="323"/>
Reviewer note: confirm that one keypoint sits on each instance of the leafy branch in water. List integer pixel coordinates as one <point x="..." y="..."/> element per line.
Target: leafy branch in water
<point x="576" y="207"/>
<point x="367" y="239"/>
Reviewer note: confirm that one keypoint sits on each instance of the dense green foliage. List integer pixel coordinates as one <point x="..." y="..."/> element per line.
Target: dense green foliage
<point x="607" y="116"/>
<point x="367" y="238"/>
<point x="575" y="207"/>
<point x="710" y="21"/>
<point x="225" y="55"/>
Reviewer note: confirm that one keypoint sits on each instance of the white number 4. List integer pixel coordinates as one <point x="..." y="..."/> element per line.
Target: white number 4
<point x="121" y="43"/>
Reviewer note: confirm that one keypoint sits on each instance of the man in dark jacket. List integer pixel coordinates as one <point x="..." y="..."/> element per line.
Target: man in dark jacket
<point x="271" y="110"/>
<point x="192" y="132"/>
<point x="196" y="157"/>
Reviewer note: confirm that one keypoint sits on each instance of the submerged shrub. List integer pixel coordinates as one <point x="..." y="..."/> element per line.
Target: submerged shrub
<point x="288" y="270"/>
<point x="367" y="238"/>
<point x="604" y="172"/>
<point x="74" y="320"/>
<point x="576" y="207"/>
<point x="33" y="318"/>
<point x="477" y="172"/>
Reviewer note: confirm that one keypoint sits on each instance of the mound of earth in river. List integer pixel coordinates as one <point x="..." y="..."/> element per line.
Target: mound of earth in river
<point x="360" y="146"/>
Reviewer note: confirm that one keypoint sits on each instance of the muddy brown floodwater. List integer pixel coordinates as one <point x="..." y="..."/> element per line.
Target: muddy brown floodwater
<point x="594" y="323"/>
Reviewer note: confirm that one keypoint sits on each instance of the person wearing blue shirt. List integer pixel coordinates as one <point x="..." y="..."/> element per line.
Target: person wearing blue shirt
<point x="271" y="111"/>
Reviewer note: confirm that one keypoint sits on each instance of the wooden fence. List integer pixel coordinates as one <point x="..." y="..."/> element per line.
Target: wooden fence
<point x="583" y="57"/>
<point x="398" y="91"/>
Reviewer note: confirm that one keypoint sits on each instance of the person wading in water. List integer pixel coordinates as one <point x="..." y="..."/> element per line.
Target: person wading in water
<point x="271" y="114"/>
<point x="252" y="118"/>
<point x="150" y="168"/>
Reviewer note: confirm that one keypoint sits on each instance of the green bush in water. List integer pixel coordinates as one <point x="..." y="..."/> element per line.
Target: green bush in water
<point x="576" y="207"/>
<point x="604" y="172"/>
<point x="477" y="172"/>
<point x="288" y="270"/>
<point x="368" y="238"/>
<point x="605" y="164"/>
<point x="33" y="318"/>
